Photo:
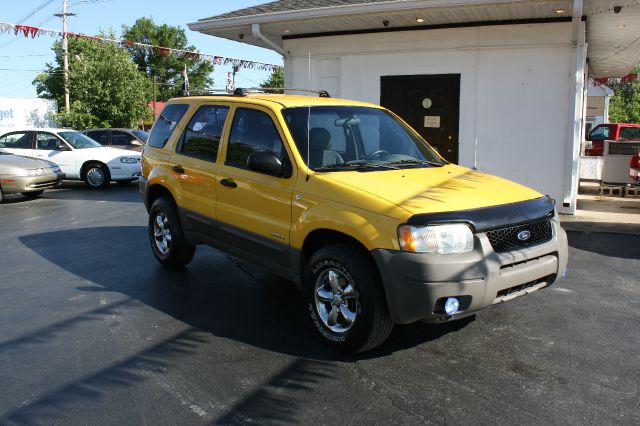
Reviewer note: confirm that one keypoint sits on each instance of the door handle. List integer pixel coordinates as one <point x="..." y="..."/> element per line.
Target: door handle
<point x="178" y="169"/>
<point x="228" y="182"/>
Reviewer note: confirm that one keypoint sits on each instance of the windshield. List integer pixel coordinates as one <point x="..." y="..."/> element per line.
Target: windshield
<point x="332" y="138"/>
<point x="141" y="134"/>
<point x="78" y="140"/>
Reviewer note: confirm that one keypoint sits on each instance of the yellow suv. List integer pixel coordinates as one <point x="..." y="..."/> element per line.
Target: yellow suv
<point x="347" y="201"/>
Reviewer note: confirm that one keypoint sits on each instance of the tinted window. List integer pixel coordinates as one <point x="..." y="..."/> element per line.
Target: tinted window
<point x="16" y="141"/>
<point x="201" y="138"/>
<point x="165" y="123"/>
<point x="121" y="138"/>
<point x="100" y="136"/>
<point x="47" y="141"/>
<point x="252" y="131"/>
<point x="630" y="133"/>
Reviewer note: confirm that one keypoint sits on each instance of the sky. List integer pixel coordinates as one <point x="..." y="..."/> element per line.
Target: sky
<point x="21" y="58"/>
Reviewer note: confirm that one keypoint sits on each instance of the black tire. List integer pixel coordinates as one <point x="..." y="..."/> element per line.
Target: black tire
<point x="174" y="252"/>
<point x="96" y="176"/>
<point x="33" y="194"/>
<point x="372" y="323"/>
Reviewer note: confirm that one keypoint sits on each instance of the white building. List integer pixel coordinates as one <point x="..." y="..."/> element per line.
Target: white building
<point x="498" y="85"/>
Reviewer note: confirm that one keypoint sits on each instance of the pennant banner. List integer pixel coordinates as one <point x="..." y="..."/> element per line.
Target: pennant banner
<point x="33" y="32"/>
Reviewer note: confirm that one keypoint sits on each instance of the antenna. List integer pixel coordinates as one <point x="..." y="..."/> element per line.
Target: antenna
<point x="308" y="122"/>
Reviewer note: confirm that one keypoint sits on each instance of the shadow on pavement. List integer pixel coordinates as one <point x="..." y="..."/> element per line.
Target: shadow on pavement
<point x="216" y="293"/>
<point x="625" y="246"/>
<point x="216" y="296"/>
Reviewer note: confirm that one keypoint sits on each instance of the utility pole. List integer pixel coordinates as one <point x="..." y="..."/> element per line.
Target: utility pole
<point x="65" y="52"/>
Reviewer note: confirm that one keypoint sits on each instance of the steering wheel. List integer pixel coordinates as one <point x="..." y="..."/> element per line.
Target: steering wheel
<point x="374" y="153"/>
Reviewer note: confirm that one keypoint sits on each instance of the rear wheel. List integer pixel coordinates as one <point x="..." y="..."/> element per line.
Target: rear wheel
<point x="345" y="298"/>
<point x="96" y="176"/>
<point x="33" y="194"/>
<point x="166" y="237"/>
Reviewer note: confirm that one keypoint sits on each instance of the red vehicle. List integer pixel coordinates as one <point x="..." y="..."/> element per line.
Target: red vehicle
<point x="610" y="132"/>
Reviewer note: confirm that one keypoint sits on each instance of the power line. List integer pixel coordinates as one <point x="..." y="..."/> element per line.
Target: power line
<point x="36" y="10"/>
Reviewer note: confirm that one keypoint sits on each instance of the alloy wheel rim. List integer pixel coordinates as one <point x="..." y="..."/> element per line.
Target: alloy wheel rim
<point x="95" y="176"/>
<point x="162" y="233"/>
<point x="336" y="300"/>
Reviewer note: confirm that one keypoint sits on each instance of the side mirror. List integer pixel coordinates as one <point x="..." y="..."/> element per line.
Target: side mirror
<point x="62" y="147"/>
<point x="266" y="162"/>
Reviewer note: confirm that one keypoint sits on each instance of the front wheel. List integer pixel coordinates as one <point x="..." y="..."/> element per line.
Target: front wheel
<point x="165" y="235"/>
<point x="97" y="176"/>
<point x="345" y="298"/>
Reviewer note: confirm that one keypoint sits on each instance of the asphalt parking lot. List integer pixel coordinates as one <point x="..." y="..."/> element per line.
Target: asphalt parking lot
<point x="93" y="331"/>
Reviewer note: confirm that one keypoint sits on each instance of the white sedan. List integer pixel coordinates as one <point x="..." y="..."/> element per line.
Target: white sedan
<point x="79" y="156"/>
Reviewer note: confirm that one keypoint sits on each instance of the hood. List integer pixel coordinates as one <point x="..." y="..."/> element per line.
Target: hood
<point x="107" y="152"/>
<point x="11" y="161"/>
<point x="436" y="189"/>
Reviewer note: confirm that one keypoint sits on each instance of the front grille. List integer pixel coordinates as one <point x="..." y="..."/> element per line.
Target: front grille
<point x="507" y="238"/>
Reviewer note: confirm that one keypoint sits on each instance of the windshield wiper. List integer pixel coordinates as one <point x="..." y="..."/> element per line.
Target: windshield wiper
<point x="416" y="161"/>
<point x="357" y="165"/>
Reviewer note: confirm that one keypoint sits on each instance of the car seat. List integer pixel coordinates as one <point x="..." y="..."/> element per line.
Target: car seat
<point x="319" y="153"/>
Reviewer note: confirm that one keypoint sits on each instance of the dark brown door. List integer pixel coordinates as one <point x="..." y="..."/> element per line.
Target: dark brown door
<point x="430" y="104"/>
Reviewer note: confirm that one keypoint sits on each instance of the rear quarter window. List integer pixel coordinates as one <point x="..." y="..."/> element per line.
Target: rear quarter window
<point x="166" y="123"/>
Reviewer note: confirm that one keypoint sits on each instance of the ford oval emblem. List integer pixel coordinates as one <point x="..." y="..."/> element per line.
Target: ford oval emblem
<point x="524" y="235"/>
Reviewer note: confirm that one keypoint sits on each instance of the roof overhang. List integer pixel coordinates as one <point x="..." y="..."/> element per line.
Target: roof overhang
<point x="613" y="33"/>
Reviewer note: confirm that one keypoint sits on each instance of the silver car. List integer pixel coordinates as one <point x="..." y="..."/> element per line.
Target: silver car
<point x="27" y="176"/>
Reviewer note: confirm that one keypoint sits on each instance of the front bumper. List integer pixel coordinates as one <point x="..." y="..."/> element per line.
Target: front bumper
<point x="15" y="185"/>
<point x="124" y="171"/>
<point x="416" y="284"/>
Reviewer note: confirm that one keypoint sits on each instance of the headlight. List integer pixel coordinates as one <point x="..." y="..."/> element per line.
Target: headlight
<point x="440" y="239"/>
<point x="35" y="172"/>
<point x="56" y="169"/>
<point x="129" y="160"/>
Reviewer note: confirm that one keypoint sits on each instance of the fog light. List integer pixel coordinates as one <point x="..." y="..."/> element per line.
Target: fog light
<point x="565" y="274"/>
<point x="451" y="305"/>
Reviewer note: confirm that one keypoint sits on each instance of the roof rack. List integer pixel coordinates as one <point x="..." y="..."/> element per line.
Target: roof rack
<point x="242" y="91"/>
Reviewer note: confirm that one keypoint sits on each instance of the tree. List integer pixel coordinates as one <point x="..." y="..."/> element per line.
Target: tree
<point x="276" y="79"/>
<point x="167" y="68"/>
<point x="105" y="87"/>
<point x="624" y="106"/>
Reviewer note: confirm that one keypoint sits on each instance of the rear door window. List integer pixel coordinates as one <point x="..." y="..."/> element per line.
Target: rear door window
<point x="119" y="138"/>
<point x="18" y="140"/>
<point x="99" y="136"/>
<point x="201" y="138"/>
<point x="166" y="123"/>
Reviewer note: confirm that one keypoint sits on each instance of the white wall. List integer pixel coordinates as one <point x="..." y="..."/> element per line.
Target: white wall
<point x="515" y="88"/>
